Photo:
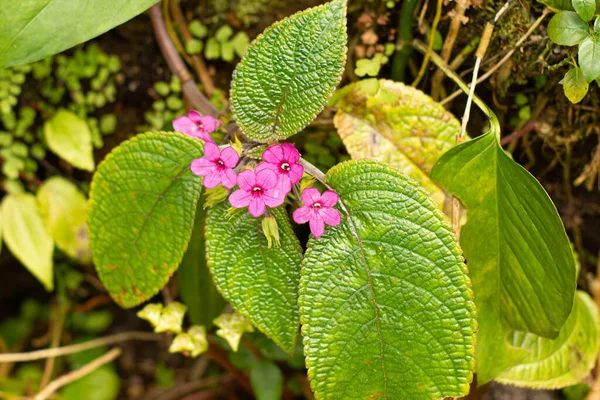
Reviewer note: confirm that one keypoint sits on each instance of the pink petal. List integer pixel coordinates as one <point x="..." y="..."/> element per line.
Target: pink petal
<point x="240" y="198"/>
<point x="184" y="125"/>
<point x="283" y="184"/>
<point x="329" y="198"/>
<point x="202" y="167"/>
<point x="230" y="157"/>
<point x="211" y="151"/>
<point x="209" y="123"/>
<point x="195" y="117"/>
<point x="266" y="179"/>
<point x="246" y="180"/>
<point x="331" y="216"/>
<point x="273" y="154"/>
<point x="256" y="208"/>
<point x="228" y="178"/>
<point x="295" y="173"/>
<point x="290" y="154"/>
<point x="317" y="226"/>
<point x="265" y="165"/>
<point x="273" y="198"/>
<point x="212" y="180"/>
<point x="310" y="196"/>
<point x="302" y="215"/>
<point x="200" y="134"/>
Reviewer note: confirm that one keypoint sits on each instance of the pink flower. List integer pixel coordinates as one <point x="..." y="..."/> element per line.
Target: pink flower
<point x="216" y="166"/>
<point x="318" y="210"/>
<point x="257" y="190"/>
<point x="283" y="161"/>
<point x="196" y="125"/>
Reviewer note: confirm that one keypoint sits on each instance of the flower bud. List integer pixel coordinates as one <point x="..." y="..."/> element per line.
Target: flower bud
<point x="271" y="231"/>
<point x="214" y="196"/>
<point x="151" y="313"/>
<point x="171" y="318"/>
<point x="232" y="327"/>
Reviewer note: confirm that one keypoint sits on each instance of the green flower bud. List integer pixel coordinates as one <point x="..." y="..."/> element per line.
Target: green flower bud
<point x="271" y="231"/>
<point x="151" y="313"/>
<point x="232" y="327"/>
<point x="214" y="196"/>
<point x="171" y="318"/>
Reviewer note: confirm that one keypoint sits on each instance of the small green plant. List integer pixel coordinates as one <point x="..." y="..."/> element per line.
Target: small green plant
<point x="572" y="28"/>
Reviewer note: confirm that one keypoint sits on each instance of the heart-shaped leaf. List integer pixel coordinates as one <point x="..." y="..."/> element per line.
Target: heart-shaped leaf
<point x="70" y="138"/>
<point x="385" y="302"/>
<point x="567" y="29"/>
<point x="261" y="283"/>
<point x="142" y="207"/>
<point x="289" y="72"/>
<point x="519" y="256"/>
<point x="400" y="125"/>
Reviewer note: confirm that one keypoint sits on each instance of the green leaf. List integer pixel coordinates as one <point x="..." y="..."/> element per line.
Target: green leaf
<point x="385" y="302"/>
<point x="70" y="138"/>
<point x="195" y="282"/>
<point x="520" y="259"/>
<point x="34" y="29"/>
<point x="26" y="236"/>
<point x="562" y="362"/>
<point x="289" y="72"/>
<point x="588" y="57"/>
<point x="266" y="380"/>
<point x="223" y="33"/>
<point x="597" y="26"/>
<point x="142" y="206"/>
<point x="563" y="5"/>
<point x="261" y="283"/>
<point x="575" y="86"/>
<point x="212" y="50"/>
<point x="101" y="384"/>
<point x="585" y="8"/>
<point x="567" y="29"/>
<point x="64" y="210"/>
<point x="240" y="43"/>
<point x="402" y="126"/>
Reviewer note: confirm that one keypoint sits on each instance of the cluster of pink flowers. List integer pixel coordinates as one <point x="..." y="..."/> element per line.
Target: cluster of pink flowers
<point x="265" y="186"/>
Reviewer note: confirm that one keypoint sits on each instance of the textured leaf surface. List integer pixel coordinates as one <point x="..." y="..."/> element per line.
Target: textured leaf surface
<point x="561" y="362"/>
<point x="585" y="8"/>
<point x="70" y="138"/>
<point x="142" y="207"/>
<point x="26" y="236"/>
<point x="289" y="72"/>
<point x="400" y="125"/>
<point x="385" y="302"/>
<point x="34" y="29"/>
<point x="575" y="86"/>
<point x="195" y="282"/>
<point x="261" y="283"/>
<point x="64" y="210"/>
<point x="519" y="256"/>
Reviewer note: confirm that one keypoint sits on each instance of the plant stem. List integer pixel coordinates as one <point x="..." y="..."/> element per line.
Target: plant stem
<point x="314" y="171"/>
<point x="76" y="348"/>
<point x="60" y="312"/>
<point x="188" y="85"/>
<point x="436" y="21"/>
<point x="505" y="58"/>
<point x="403" y="46"/>
<point x="77" y="374"/>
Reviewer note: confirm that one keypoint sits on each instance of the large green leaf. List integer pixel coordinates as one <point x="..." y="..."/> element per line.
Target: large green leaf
<point x="34" y="29"/>
<point x="289" y="72"/>
<point x="195" y="282"/>
<point x="400" y="125"/>
<point x="564" y="5"/>
<point x="70" y="138"/>
<point x="567" y="29"/>
<point x="64" y="210"/>
<point x="588" y="57"/>
<point x="260" y="282"/>
<point x="561" y="362"/>
<point x="518" y="253"/>
<point x="385" y="302"/>
<point x="142" y="207"/>
<point x="26" y="236"/>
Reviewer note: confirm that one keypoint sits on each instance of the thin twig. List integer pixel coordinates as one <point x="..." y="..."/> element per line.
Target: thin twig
<point x="60" y="311"/>
<point x="188" y="85"/>
<point x="504" y="59"/>
<point x="77" y="374"/>
<point x="197" y="60"/>
<point x="76" y="348"/>
<point x="528" y="128"/>
<point x="436" y="21"/>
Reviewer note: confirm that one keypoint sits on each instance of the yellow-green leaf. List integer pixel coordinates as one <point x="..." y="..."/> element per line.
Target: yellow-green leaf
<point x="561" y="362"/>
<point x="64" y="210"/>
<point x="400" y="125"/>
<point x="27" y="237"/>
<point x="70" y="138"/>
